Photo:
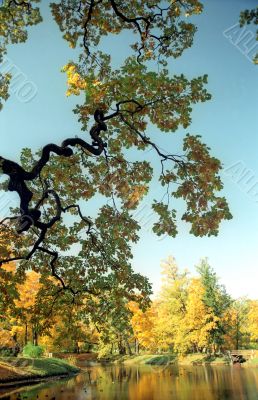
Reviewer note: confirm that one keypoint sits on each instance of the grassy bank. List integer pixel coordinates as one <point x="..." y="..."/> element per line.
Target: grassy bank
<point x="251" y="363"/>
<point x="166" y="359"/>
<point x="147" y="359"/>
<point x="144" y="359"/>
<point x="14" y="369"/>
<point x="203" y="359"/>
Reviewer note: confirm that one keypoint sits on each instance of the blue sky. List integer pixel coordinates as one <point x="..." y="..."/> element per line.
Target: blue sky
<point x="228" y="123"/>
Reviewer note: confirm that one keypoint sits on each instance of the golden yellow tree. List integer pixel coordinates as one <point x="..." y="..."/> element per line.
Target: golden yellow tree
<point x="253" y="320"/>
<point x="171" y="305"/>
<point x="26" y="323"/>
<point x="198" y="322"/>
<point x="143" y="324"/>
<point x="7" y="289"/>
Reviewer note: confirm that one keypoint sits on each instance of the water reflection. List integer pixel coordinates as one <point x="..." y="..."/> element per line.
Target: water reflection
<point x="147" y="383"/>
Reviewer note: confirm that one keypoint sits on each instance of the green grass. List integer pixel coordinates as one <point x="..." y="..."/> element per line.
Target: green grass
<point x="20" y="368"/>
<point x="149" y="359"/>
<point x="161" y="360"/>
<point x="202" y="359"/>
<point x="251" y="363"/>
<point x="51" y="366"/>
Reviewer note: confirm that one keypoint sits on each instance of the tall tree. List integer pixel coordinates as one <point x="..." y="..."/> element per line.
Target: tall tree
<point x="253" y="321"/>
<point x="198" y="323"/>
<point x="27" y="312"/>
<point x="216" y="299"/>
<point x="171" y="304"/>
<point x="237" y="335"/>
<point x="144" y="327"/>
<point x="120" y="104"/>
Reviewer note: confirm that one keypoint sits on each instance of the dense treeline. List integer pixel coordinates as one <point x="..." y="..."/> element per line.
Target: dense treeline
<point x="190" y="314"/>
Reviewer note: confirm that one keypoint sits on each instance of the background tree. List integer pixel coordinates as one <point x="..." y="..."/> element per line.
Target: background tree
<point x="253" y="321"/>
<point x="186" y="317"/>
<point x="171" y="304"/>
<point x="144" y="327"/>
<point x="196" y="329"/>
<point x="216" y="299"/>
<point x="237" y="332"/>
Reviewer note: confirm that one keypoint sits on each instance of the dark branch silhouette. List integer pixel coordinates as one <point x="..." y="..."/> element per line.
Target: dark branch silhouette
<point x="18" y="176"/>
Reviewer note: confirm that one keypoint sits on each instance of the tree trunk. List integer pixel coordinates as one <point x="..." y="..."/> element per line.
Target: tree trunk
<point x="128" y="347"/>
<point x="76" y="348"/>
<point x="237" y="335"/>
<point x="35" y="337"/>
<point x="136" y="346"/>
<point x="26" y="335"/>
<point x="16" y="347"/>
<point x="121" y="348"/>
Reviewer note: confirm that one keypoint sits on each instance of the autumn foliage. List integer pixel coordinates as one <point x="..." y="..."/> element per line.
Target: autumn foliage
<point x="190" y="314"/>
<point x="72" y="285"/>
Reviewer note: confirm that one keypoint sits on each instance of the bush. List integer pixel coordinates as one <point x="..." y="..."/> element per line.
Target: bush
<point x="33" y="351"/>
<point x="6" y="352"/>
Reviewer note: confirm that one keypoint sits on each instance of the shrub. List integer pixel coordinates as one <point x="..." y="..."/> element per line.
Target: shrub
<point x="33" y="351"/>
<point x="6" y="352"/>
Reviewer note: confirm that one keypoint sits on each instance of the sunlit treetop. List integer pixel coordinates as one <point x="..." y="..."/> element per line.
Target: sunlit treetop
<point x="160" y="26"/>
<point x="250" y="17"/>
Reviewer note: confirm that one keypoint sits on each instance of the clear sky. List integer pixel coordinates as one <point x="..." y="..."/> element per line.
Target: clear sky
<point x="228" y="124"/>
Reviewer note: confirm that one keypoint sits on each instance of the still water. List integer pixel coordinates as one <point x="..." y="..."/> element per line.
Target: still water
<point x="147" y="383"/>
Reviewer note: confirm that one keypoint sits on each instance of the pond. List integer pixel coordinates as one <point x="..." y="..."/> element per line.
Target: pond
<point x="112" y="382"/>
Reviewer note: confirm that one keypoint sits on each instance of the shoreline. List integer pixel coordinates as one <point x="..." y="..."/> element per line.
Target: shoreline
<point x="26" y="371"/>
<point x="34" y="379"/>
<point x="56" y="369"/>
<point x="191" y="360"/>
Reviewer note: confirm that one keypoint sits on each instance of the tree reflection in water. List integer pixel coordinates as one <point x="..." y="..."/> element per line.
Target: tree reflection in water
<point x="148" y="383"/>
